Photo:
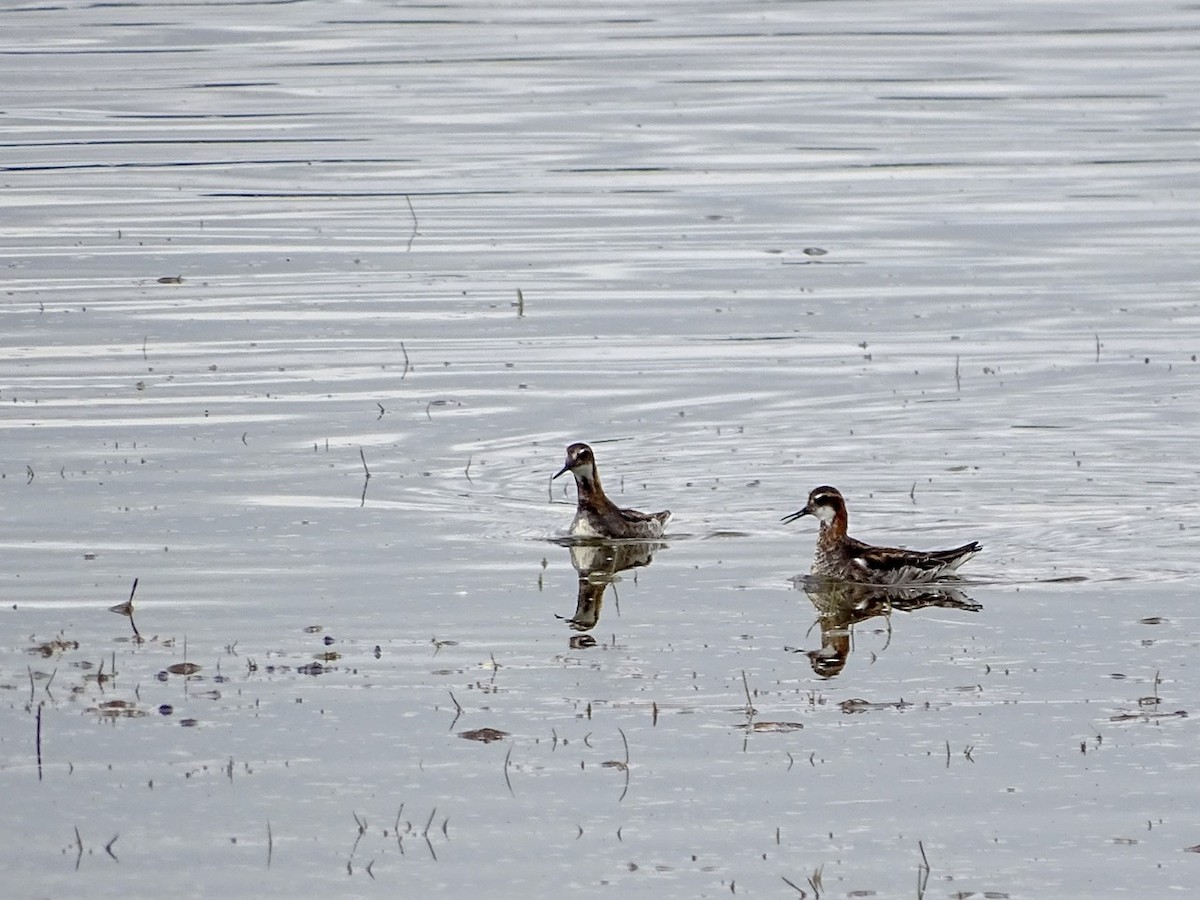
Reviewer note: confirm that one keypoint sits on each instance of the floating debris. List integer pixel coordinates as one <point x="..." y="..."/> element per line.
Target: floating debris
<point x="484" y="735"/>
<point x="1148" y="716"/>
<point x="858" y="705"/>
<point x="49" y="648"/>
<point x="774" y="727"/>
<point x="118" y="709"/>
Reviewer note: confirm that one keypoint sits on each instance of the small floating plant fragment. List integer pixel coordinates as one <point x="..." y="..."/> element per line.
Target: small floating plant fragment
<point x="773" y="727"/>
<point x="858" y="705"/>
<point x="118" y="709"/>
<point x="483" y="735"/>
<point x="52" y="647"/>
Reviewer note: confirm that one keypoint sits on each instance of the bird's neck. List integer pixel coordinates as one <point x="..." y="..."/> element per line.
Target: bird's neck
<point x="834" y="529"/>
<point x="587" y="482"/>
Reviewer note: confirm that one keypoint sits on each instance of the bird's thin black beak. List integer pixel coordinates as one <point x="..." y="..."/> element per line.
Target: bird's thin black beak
<point x="796" y="515"/>
<point x="566" y="468"/>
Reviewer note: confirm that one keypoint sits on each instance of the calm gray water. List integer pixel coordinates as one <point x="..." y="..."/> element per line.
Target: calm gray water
<point x="940" y="255"/>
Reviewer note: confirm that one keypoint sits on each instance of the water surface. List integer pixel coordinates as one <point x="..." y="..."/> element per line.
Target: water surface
<point x="939" y="256"/>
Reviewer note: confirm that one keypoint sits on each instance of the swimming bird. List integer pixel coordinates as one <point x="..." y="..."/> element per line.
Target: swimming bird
<point x="840" y="556"/>
<point x="595" y="515"/>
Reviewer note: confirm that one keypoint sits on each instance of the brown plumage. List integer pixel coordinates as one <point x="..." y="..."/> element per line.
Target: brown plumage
<point x="595" y="515"/>
<point x="840" y="556"/>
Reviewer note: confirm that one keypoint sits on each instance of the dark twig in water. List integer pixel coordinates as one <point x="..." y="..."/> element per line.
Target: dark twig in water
<point x="362" y="829"/>
<point x="1097" y="346"/>
<point x="108" y="847"/>
<point x="38" y="741"/>
<point x="458" y="710"/>
<point x="467" y="470"/>
<point x="126" y="609"/>
<point x="412" y="237"/>
<point x="625" y="740"/>
<point x="957" y="377"/>
<point x="520" y="304"/>
<point x="406" y="365"/>
<point x="270" y="844"/>
<point x="362" y="501"/>
<point x="79" y="845"/>
<point x="507" y="780"/>
<point x="428" y="842"/>
<point x="750" y="710"/>
<point x="803" y="893"/>
<point x="923" y="871"/>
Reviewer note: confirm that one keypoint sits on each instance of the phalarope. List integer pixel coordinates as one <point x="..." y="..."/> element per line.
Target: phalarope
<point x="595" y="515"/>
<point x="840" y="556"/>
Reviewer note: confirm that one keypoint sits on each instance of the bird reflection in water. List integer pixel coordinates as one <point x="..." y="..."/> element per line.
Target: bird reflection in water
<point x="840" y="605"/>
<point x="598" y="565"/>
